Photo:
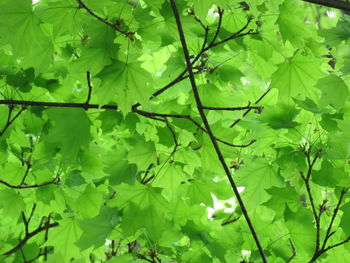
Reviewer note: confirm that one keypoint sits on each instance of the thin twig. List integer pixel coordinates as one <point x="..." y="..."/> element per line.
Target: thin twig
<point x="188" y="117"/>
<point x="28" y="161"/>
<point x="57" y="104"/>
<point x="227" y="222"/>
<point x="294" y="253"/>
<point x="204" y="49"/>
<point x="248" y="110"/>
<point x="88" y="78"/>
<point x="144" y="178"/>
<point x="306" y="180"/>
<point x="218" y="28"/>
<point x="238" y="34"/>
<point x="115" y="27"/>
<point x="145" y="258"/>
<point x="319" y="250"/>
<point x="28" y="186"/>
<point x="335" y="212"/>
<point x="176" y="145"/>
<point x="29" y="236"/>
<point x="46" y="238"/>
<point x="338" y="244"/>
<point x="257" y="108"/>
<point x="10" y="120"/>
<point x="208" y="128"/>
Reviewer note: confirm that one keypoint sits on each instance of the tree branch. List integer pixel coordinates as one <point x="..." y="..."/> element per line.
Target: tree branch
<point x="27" y="186"/>
<point x="335" y="212"/>
<point x="341" y="5"/>
<point x="9" y="121"/>
<point x="28" y="161"/>
<point x="248" y="110"/>
<point x="294" y="253"/>
<point x="57" y="104"/>
<point x="144" y="179"/>
<point x="88" y="79"/>
<point x="319" y="250"/>
<point x="257" y="108"/>
<point x="210" y="133"/>
<point x="338" y="244"/>
<point x="227" y="222"/>
<point x="306" y="180"/>
<point x="188" y="117"/>
<point x="29" y="236"/>
<point x="204" y="49"/>
<point x="221" y="13"/>
<point x="84" y="6"/>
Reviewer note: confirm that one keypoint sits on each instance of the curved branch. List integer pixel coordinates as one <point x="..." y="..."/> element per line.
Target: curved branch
<point x="57" y="104"/>
<point x="218" y="28"/>
<point x="9" y="120"/>
<point x="27" y="186"/>
<point x="294" y="252"/>
<point x="84" y="6"/>
<point x="204" y="49"/>
<point x="341" y="5"/>
<point x="248" y="110"/>
<point x="257" y="108"/>
<point x="188" y="117"/>
<point x="88" y="79"/>
<point x="335" y="212"/>
<point x="29" y="236"/>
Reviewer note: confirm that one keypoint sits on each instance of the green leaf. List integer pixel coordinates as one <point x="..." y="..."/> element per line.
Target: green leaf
<point x="170" y="177"/>
<point x="328" y="175"/>
<point x="257" y="176"/>
<point x="63" y="238"/>
<point x="120" y="171"/>
<point x="199" y="192"/>
<point x="122" y="191"/>
<point x="302" y="234"/>
<point x="144" y="207"/>
<point x="201" y="8"/>
<point x="12" y="203"/>
<point x="334" y="91"/>
<point x="88" y="203"/>
<point x="296" y="78"/>
<point x="281" y="198"/>
<point x="27" y="38"/>
<point x="337" y="35"/>
<point x="142" y="154"/>
<point x="62" y="19"/>
<point x="309" y="105"/>
<point x="291" y="24"/>
<point x="128" y="81"/>
<point x="344" y="222"/>
<point x="97" y="229"/>
<point x="70" y="131"/>
<point x="280" y="116"/>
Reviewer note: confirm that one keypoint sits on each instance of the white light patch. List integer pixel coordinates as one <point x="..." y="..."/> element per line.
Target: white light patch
<point x="212" y="13"/>
<point x="220" y="204"/>
<point x="246" y="253"/>
<point x="35" y="1"/>
<point x="331" y="14"/>
<point x="245" y="81"/>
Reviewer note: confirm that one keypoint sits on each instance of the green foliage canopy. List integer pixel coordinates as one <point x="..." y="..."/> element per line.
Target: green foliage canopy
<point x="174" y="131"/>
